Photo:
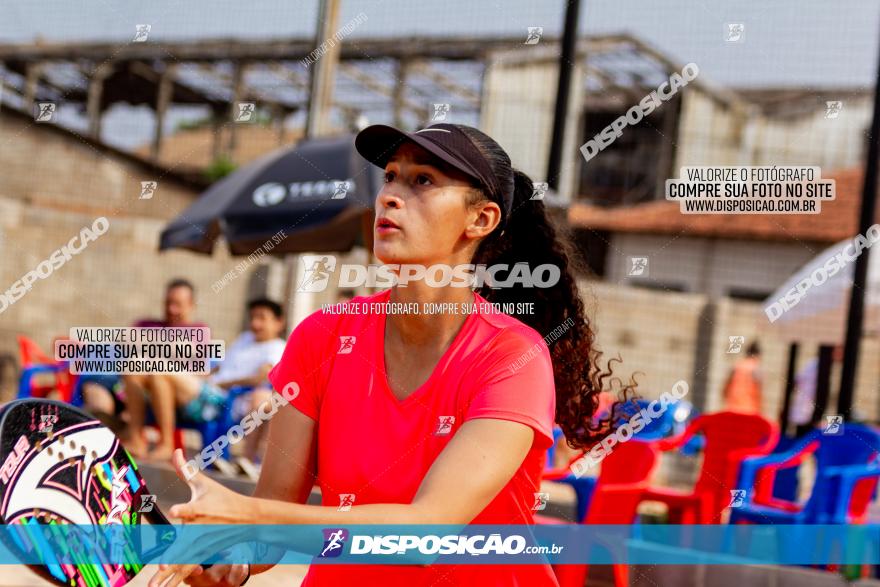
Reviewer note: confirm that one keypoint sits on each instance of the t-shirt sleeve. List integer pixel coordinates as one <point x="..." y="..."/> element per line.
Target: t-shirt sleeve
<point x="298" y="374"/>
<point x="275" y="352"/>
<point x="517" y="384"/>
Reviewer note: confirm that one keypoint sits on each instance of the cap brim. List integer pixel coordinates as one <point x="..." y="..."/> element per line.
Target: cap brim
<point x="378" y="143"/>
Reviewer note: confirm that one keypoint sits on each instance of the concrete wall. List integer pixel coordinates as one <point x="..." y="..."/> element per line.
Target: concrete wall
<point x="705" y="265"/>
<point x="665" y="336"/>
<point x="831" y="143"/>
<point x="710" y="133"/>
<point x="519" y="100"/>
<point x="52" y="185"/>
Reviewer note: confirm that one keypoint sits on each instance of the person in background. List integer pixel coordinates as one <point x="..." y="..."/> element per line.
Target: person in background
<point x="248" y="362"/>
<point x="804" y="401"/>
<point x="180" y="305"/>
<point x="103" y="393"/>
<point x="742" y="393"/>
<point x="178" y="310"/>
<point x="199" y="399"/>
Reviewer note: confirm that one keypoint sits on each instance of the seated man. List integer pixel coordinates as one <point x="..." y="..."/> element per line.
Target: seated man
<point x="248" y="361"/>
<point x="103" y="394"/>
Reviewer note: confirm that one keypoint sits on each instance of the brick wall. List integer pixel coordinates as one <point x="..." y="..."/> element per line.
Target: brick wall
<point x="52" y="185"/>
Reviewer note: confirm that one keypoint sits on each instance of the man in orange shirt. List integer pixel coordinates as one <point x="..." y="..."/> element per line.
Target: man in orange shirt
<point x="743" y="390"/>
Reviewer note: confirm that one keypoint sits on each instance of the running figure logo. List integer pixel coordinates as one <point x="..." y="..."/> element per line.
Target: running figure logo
<point x="245" y="111"/>
<point x="833" y="108"/>
<point x="440" y="112"/>
<point x="638" y="266"/>
<point x="346" y="500"/>
<point x="48" y="418"/>
<point x="148" y="501"/>
<point x="148" y="188"/>
<point x="735" y="344"/>
<point x="444" y="425"/>
<point x="346" y="345"/>
<point x="45" y="112"/>
<point x="340" y="189"/>
<point x="539" y="190"/>
<point x="534" y="36"/>
<point x="833" y="426"/>
<point x="141" y="32"/>
<point x="735" y="32"/>
<point x="317" y="272"/>
<point x="737" y="498"/>
<point x="334" y="542"/>
<point x="541" y="500"/>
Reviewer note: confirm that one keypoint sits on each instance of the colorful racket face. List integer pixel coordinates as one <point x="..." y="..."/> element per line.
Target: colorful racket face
<point x="59" y="465"/>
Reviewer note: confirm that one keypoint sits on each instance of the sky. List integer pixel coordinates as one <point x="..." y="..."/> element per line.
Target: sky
<point x="816" y="43"/>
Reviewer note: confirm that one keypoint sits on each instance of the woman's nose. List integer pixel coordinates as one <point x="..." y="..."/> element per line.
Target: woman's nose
<point x="387" y="198"/>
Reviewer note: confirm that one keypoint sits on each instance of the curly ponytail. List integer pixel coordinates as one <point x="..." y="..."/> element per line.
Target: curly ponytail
<point x="531" y="237"/>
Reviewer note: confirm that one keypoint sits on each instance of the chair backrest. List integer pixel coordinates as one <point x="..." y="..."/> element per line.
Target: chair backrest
<point x="31" y="354"/>
<point x="551" y="452"/>
<point x="630" y="463"/>
<point x="857" y="444"/>
<point x="654" y="429"/>
<point x="730" y="437"/>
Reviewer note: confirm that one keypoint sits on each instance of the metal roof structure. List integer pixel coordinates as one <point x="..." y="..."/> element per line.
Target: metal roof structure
<point x="386" y="80"/>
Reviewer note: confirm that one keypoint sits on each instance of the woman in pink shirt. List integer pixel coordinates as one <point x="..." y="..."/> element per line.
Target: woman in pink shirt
<point x="418" y="417"/>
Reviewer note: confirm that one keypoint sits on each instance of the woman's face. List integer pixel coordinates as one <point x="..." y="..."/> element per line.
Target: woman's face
<point x="422" y="212"/>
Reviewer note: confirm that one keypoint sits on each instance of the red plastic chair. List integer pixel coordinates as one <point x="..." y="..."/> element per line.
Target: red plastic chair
<point x="35" y="362"/>
<point x="731" y="437"/>
<point x="622" y="481"/>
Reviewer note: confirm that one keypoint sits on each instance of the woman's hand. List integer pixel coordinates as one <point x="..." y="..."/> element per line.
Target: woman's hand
<point x="211" y="503"/>
<point x="219" y="576"/>
<point x="215" y="576"/>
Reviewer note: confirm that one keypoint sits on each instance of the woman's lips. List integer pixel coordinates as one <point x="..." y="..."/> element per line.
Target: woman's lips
<point x="386" y="226"/>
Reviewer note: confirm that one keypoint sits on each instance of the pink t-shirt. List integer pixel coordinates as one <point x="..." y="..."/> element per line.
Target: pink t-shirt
<point x="379" y="448"/>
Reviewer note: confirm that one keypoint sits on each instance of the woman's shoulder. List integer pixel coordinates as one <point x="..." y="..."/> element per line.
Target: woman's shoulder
<point x="506" y="332"/>
<point x="330" y="317"/>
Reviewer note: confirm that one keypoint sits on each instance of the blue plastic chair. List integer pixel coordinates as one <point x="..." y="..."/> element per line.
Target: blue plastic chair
<point x="226" y="420"/>
<point x="671" y="422"/>
<point x="25" y="382"/>
<point x="841" y="461"/>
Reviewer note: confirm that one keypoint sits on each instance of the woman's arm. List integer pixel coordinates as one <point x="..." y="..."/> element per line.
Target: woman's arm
<point x="476" y="464"/>
<point x="288" y="471"/>
<point x="260" y="377"/>
<point x="473" y="468"/>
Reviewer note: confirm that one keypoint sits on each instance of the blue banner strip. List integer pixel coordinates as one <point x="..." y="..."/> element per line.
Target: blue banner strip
<point x="435" y="544"/>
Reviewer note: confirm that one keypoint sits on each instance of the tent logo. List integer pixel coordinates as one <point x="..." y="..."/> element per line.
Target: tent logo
<point x="273" y="193"/>
<point x="317" y="272"/>
<point x="269" y="194"/>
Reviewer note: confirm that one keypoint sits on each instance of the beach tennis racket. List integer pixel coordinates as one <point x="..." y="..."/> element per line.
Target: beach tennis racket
<point x="59" y="465"/>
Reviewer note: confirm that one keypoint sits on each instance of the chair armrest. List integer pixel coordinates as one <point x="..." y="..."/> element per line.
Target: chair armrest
<point x="850" y="471"/>
<point x="849" y="475"/>
<point x="238" y="391"/>
<point x="674" y="442"/>
<point x="752" y="466"/>
<point x="27" y="374"/>
<point x="623" y="488"/>
<point x="782" y="460"/>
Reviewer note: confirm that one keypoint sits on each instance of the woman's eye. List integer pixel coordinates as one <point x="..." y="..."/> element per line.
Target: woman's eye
<point x="389" y="177"/>
<point x="423" y="179"/>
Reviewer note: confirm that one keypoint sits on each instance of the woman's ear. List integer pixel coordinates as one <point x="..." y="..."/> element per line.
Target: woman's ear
<point x="482" y="219"/>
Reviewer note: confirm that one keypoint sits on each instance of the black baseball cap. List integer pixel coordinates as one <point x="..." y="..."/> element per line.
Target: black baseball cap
<point x="378" y="142"/>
